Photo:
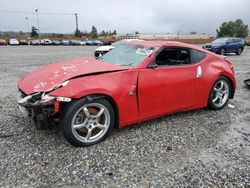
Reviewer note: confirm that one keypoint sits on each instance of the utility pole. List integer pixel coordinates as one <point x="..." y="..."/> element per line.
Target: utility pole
<point x="38" y="24"/>
<point x="77" y="31"/>
<point x="27" y="22"/>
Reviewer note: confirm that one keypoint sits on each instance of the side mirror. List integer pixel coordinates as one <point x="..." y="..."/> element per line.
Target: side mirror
<point x="153" y="65"/>
<point x="99" y="56"/>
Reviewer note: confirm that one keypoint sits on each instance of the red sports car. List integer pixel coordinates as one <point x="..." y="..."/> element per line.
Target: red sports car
<point x="134" y="82"/>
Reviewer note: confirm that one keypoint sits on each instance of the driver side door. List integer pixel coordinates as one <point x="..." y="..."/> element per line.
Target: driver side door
<point x="171" y="86"/>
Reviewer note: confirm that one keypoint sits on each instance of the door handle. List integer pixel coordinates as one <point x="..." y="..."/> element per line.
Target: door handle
<point x="199" y="72"/>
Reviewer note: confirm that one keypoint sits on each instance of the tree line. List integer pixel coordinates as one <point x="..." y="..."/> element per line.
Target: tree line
<point x="235" y="28"/>
<point x="94" y="33"/>
<point x="78" y="33"/>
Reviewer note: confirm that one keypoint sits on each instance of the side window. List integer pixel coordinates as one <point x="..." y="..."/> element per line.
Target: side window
<point x="236" y="40"/>
<point x="197" y="56"/>
<point x="173" y="56"/>
<point x="230" y="41"/>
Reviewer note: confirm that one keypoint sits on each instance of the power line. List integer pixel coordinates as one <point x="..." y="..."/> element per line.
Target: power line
<point x="57" y="14"/>
<point x="41" y="13"/>
<point x="16" y="12"/>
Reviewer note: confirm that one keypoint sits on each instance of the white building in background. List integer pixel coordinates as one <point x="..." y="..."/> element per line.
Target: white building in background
<point x="130" y="36"/>
<point x="169" y="36"/>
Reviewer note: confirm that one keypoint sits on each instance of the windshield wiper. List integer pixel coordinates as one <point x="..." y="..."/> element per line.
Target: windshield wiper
<point x="130" y="64"/>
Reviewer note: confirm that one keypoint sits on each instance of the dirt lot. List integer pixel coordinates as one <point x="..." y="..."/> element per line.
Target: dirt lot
<point x="191" y="149"/>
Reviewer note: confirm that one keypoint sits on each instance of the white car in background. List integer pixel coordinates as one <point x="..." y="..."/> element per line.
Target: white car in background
<point x="45" y="42"/>
<point x="13" y="42"/>
<point x="82" y="43"/>
<point x="99" y="52"/>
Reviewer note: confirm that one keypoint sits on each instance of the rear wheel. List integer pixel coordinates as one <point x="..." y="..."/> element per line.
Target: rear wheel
<point x="220" y="93"/>
<point x="223" y="51"/>
<point x="87" y="123"/>
<point x="239" y="51"/>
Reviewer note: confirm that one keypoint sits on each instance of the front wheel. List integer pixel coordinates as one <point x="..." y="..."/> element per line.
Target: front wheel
<point x="239" y="51"/>
<point x="87" y="123"/>
<point x="220" y="93"/>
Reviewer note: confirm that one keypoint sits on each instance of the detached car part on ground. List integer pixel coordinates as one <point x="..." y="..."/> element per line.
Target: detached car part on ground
<point x="247" y="82"/>
<point x="226" y="45"/>
<point x="134" y="82"/>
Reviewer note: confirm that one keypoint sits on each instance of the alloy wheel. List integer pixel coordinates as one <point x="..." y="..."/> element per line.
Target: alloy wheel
<point x="220" y="93"/>
<point x="90" y="122"/>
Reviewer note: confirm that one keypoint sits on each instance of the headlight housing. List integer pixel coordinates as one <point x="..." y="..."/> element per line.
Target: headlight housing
<point x="61" y="85"/>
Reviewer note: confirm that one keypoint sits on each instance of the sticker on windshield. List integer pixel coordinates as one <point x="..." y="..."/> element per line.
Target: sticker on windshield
<point x="144" y="51"/>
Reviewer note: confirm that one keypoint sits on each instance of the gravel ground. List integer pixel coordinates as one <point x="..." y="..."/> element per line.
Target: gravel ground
<point x="191" y="149"/>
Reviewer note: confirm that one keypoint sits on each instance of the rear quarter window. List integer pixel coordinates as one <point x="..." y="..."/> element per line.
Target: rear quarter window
<point x="236" y="40"/>
<point x="197" y="56"/>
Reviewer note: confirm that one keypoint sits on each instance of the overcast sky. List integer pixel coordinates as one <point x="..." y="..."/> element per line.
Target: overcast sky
<point x="127" y="16"/>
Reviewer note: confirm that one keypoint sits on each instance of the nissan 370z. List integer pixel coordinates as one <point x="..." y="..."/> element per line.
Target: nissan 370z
<point x="134" y="82"/>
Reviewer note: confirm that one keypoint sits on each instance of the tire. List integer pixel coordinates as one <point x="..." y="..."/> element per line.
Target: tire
<point x="223" y="51"/>
<point x="239" y="51"/>
<point x="219" y="94"/>
<point x="86" y="123"/>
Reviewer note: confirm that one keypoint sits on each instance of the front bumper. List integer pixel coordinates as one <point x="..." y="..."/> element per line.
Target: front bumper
<point x="41" y="107"/>
<point x="36" y="100"/>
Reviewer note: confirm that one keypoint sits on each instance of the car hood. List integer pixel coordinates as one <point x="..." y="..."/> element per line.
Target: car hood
<point x="213" y="44"/>
<point x="47" y="78"/>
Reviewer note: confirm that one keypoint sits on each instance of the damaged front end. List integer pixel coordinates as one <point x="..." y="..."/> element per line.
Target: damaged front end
<point x="43" y="108"/>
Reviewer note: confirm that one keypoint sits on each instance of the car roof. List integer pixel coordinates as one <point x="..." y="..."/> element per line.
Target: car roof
<point x="162" y="44"/>
<point x="229" y="38"/>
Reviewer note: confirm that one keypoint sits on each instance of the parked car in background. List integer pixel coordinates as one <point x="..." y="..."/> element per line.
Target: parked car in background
<point x="134" y="82"/>
<point x="94" y="42"/>
<point x="34" y="42"/>
<point x="226" y="45"/>
<point x="107" y="43"/>
<point x="23" y="42"/>
<point x="45" y="42"/>
<point x="82" y="43"/>
<point x="13" y="42"/>
<point x="104" y="49"/>
<point x="100" y="51"/>
<point x="97" y="42"/>
<point x="74" y="42"/>
<point x="3" y="42"/>
<point x="56" y="42"/>
<point x="65" y="42"/>
<point x="89" y="42"/>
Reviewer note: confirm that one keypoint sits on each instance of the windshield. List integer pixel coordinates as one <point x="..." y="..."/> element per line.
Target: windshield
<point x="126" y="54"/>
<point x="220" y="41"/>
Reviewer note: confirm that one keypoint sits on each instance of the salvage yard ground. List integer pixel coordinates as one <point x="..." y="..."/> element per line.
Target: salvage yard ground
<point x="197" y="148"/>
